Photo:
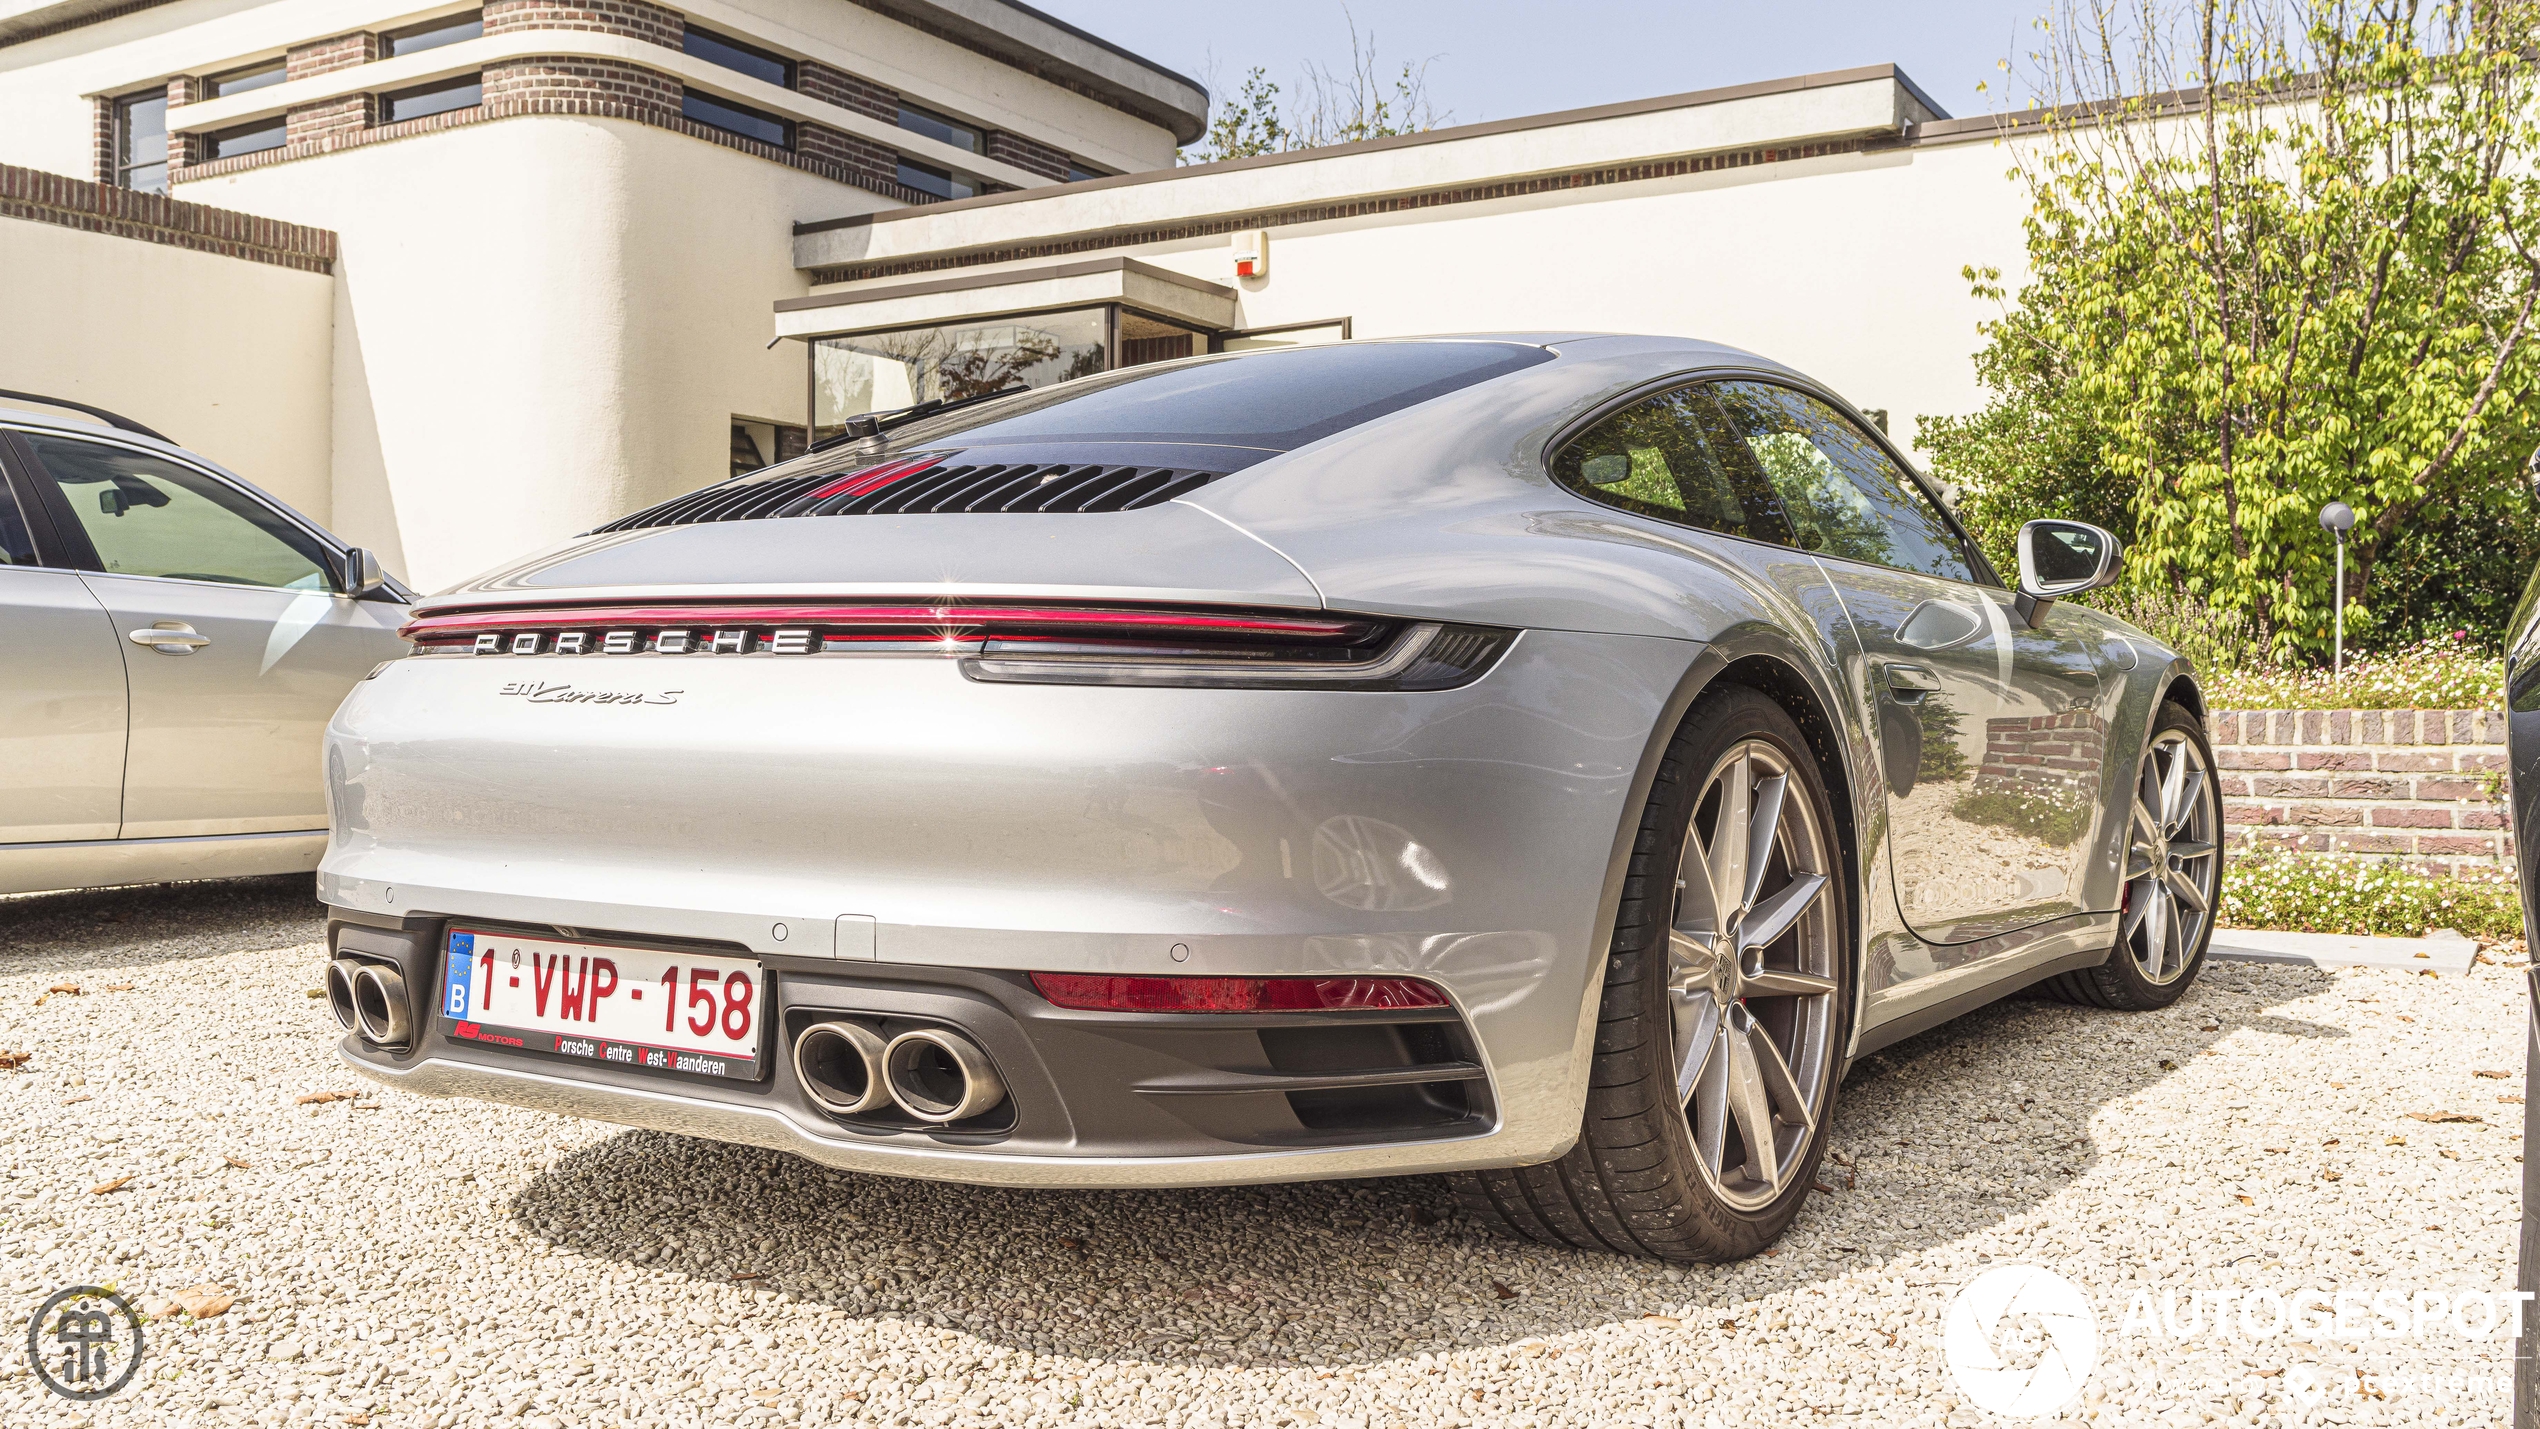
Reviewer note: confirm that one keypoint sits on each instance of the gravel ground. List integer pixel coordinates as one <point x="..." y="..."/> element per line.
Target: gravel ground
<point x="398" y="1261"/>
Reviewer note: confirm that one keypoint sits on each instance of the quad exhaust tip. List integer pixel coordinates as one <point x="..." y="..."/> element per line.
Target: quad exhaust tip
<point x="939" y="1076"/>
<point x="379" y="1003"/>
<point x="840" y="1067"/>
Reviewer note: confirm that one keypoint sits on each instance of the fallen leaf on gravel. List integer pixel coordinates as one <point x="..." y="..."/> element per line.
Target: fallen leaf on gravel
<point x="1821" y="1186"/>
<point x="119" y="987"/>
<point x="2331" y="1176"/>
<point x="2515" y="1100"/>
<point x="1669" y="1321"/>
<point x="74" y="1101"/>
<point x="357" y="1419"/>
<point x="320" y="1098"/>
<point x="317" y="992"/>
<point x="2246" y="1200"/>
<point x="2449" y="1154"/>
<point x="1502" y="1291"/>
<point x="11" y="1061"/>
<point x="2275" y="1150"/>
<point x="750" y="1275"/>
<point x="71" y="988"/>
<point x="2497" y="1076"/>
<point x="2168" y="1065"/>
<point x="234" y="1161"/>
<point x="2394" y="1141"/>
<point x="2441" y="1116"/>
<point x="205" y="1301"/>
<point x="1071" y="1242"/>
<point x="116" y="1184"/>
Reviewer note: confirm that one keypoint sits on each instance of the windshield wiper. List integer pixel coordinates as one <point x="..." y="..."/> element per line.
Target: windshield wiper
<point x="875" y="423"/>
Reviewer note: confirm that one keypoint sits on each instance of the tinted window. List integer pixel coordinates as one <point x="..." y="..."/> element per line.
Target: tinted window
<point x="149" y="517"/>
<point x="1842" y="495"/>
<point x="1656" y="457"/>
<point x="1275" y="400"/>
<point x="749" y="123"/>
<point x="433" y="34"/>
<point x="248" y="139"/>
<point x="942" y="183"/>
<point x="17" y="548"/>
<point x="241" y="81"/>
<point x="733" y="55"/>
<point x="432" y="99"/>
<point x="941" y="126"/>
<point x="141" y="142"/>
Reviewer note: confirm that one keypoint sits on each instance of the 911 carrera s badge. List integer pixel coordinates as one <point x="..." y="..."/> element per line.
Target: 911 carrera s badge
<point x="539" y="692"/>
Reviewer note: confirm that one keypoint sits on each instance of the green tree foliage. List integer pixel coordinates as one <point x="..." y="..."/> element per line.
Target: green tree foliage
<point x="1336" y="108"/>
<point x="2288" y="257"/>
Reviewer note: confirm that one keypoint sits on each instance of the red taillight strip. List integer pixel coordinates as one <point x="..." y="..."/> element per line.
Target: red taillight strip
<point x="1101" y="992"/>
<point x="874" y="478"/>
<point x="930" y="617"/>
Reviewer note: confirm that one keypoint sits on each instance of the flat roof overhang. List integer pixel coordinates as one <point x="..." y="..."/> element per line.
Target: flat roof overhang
<point x="1009" y="292"/>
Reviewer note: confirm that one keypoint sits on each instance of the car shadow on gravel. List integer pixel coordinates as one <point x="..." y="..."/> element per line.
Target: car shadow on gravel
<point x="1944" y="1136"/>
<point x="156" y="922"/>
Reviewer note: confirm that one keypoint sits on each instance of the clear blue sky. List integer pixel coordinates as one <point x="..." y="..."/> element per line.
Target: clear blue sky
<point x="1496" y="59"/>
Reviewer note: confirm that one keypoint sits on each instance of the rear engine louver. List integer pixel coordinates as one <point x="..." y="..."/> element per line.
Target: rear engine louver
<point x="928" y="489"/>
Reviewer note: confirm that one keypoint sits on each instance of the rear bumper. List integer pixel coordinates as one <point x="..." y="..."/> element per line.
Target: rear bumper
<point x="880" y="828"/>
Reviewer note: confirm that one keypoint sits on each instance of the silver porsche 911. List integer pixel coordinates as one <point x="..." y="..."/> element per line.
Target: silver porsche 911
<point x="1544" y="759"/>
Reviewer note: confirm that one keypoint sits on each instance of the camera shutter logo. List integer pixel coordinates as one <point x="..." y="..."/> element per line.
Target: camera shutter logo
<point x="84" y="1343"/>
<point x="2020" y="1341"/>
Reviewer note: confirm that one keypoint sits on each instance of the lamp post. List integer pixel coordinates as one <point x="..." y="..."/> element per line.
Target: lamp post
<point x="2339" y="518"/>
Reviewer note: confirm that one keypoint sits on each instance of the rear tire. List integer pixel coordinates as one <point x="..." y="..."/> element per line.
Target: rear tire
<point x="2173" y="873"/>
<point x="1722" y="1021"/>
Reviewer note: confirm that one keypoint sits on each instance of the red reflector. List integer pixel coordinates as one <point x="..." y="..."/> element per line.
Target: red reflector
<point x="1097" y="992"/>
<point x="873" y="478"/>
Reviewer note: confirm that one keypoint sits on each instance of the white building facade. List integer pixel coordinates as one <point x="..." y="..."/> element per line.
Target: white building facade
<point x="461" y="281"/>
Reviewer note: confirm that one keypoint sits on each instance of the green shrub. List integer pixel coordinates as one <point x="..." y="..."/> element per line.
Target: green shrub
<point x="2438" y="674"/>
<point x="2347" y="893"/>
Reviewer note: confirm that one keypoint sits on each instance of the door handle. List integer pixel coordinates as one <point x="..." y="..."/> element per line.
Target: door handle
<point x="171" y="637"/>
<point x="1911" y="682"/>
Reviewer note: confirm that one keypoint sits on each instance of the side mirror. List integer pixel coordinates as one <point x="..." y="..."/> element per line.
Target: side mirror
<point x="364" y="574"/>
<point x="2061" y="558"/>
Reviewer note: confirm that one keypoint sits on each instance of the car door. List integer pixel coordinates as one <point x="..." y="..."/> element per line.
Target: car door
<point x="236" y="647"/>
<point x="1988" y="729"/>
<point x="61" y="682"/>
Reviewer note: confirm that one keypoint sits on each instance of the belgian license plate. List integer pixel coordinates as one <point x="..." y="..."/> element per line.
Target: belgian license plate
<point x="700" y="1014"/>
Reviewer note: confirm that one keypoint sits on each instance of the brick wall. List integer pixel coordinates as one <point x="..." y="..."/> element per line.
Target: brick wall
<point x="39" y="197"/>
<point x="2423" y="786"/>
<point x="563" y="85"/>
<point x="870" y="162"/>
<point x="326" y="56"/>
<point x="836" y="86"/>
<point x="642" y="20"/>
<point x="1025" y="154"/>
<point x="2049" y="754"/>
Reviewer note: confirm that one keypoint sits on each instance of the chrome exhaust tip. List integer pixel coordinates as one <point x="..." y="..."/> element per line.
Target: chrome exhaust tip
<point x="339" y="992"/>
<point x="840" y="1067"/>
<point x="379" y="1004"/>
<point x="937" y="1076"/>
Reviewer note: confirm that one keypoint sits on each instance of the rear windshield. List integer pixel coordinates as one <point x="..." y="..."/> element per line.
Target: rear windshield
<point x="1277" y="400"/>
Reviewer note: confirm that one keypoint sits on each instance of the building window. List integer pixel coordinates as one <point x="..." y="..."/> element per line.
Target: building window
<point x="438" y="98"/>
<point x="733" y="55"/>
<point x="938" y="126"/>
<point x="141" y="141"/>
<point x="1078" y="173"/>
<point x="927" y="179"/>
<point x="881" y="372"/>
<point x="239" y="81"/>
<point x="748" y="123"/>
<point x="246" y="139"/>
<point x="432" y="35"/>
<point x="1144" y="339"/>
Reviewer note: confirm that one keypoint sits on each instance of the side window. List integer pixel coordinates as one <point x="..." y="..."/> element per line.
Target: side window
<point x="17" y="548"/>
<point x="1656" y="457"/>
<point x="1842" y="494"/>
<point x="149" y="517"/>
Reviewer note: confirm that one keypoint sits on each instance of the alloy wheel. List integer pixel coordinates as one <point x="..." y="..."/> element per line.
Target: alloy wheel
<point x="1751" y="977"/>
<point x="2172" y="862"/>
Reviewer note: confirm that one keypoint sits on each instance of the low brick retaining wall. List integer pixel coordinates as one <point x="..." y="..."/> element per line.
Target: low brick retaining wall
<point x="2422" y="786"/>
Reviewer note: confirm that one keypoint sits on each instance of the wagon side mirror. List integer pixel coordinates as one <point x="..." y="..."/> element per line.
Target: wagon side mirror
<point x="2061" y="558"/>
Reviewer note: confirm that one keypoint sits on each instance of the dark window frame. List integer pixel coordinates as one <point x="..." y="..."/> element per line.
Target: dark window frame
<point x="388" y="102"/>
<point x="124" y="164"/>
<point x="215" y="146"/>
<point x="695" y="97"/>
<point x="950" y="178"/>
<point x="714" y="41"/>
<point x="434" y="34"/>
<point x="260" y="75"/>
<point x="935" y="119"/>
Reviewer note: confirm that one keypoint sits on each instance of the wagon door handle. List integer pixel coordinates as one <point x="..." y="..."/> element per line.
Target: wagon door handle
<point x="1911" y="682"/>
<point x="171" y="637"/>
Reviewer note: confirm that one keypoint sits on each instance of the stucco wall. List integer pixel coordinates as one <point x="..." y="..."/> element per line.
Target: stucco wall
<point x="544" y="323"/>
<point x="224" y="355"/>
